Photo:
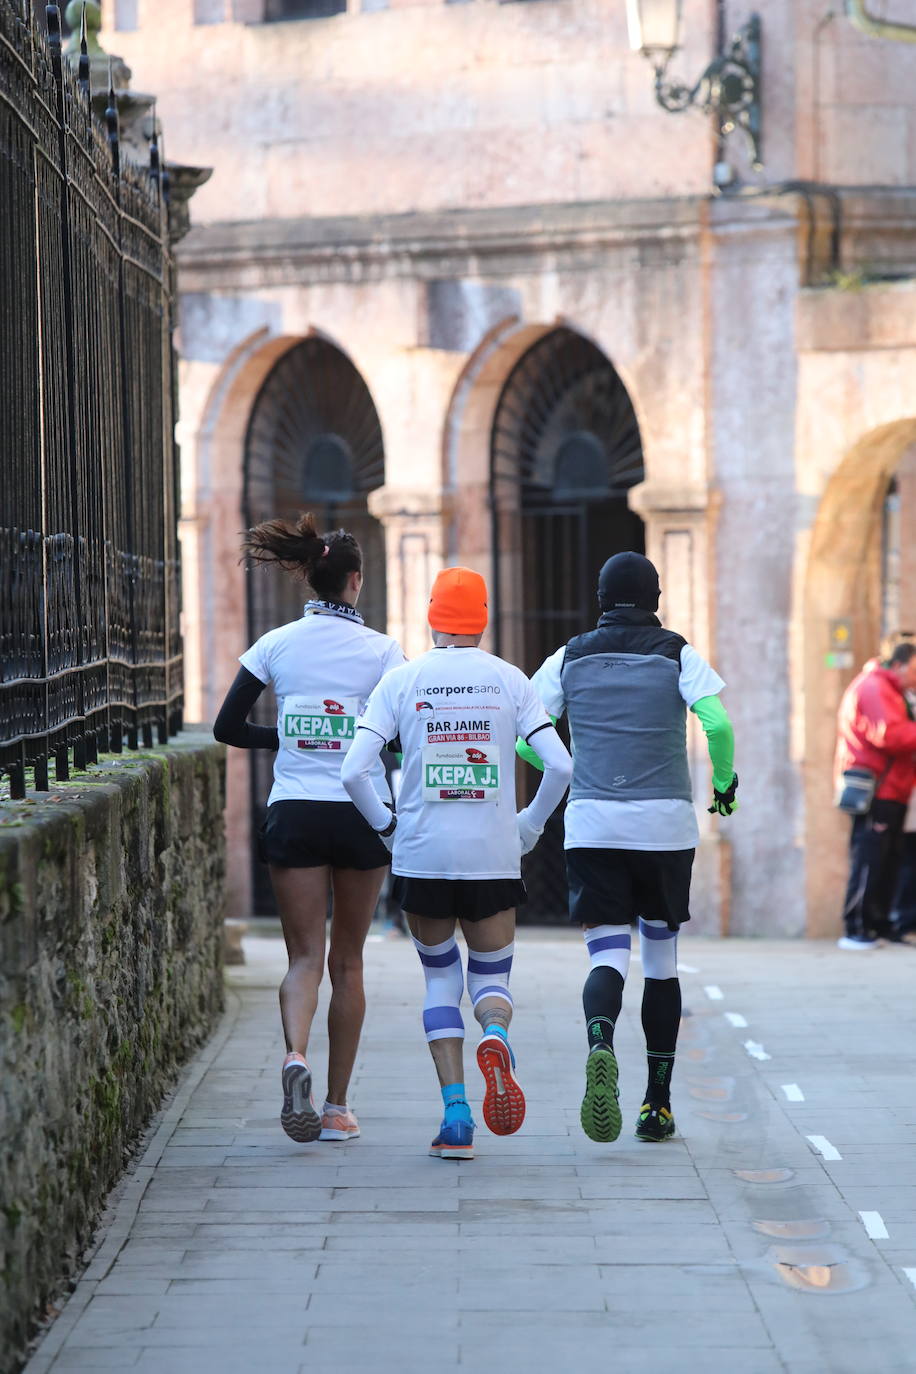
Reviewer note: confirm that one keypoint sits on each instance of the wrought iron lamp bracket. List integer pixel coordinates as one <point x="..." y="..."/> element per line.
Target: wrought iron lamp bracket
<point x="729" y="88"/>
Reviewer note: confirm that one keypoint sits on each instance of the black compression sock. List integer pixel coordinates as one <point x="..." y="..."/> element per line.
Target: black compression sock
<point x="601" y="1000"/>
<point x="661" y="1015"/>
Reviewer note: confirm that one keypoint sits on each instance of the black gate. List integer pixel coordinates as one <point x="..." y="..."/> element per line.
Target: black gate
<point x="90" y="648"/>
<point x="314" y="443"/>
<point x="565" y="448"/>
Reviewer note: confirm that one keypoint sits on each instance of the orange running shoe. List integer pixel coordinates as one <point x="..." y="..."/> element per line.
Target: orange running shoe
<point x="339" y="1126"/>
<point x="504" y="1103"/>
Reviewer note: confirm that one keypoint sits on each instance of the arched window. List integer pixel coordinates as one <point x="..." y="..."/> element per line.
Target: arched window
<point x="314" y="442"/>
<point x="565" y="449"/>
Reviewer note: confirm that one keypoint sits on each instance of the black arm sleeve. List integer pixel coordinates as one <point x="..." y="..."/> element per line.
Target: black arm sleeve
<point x="232" y="725"/>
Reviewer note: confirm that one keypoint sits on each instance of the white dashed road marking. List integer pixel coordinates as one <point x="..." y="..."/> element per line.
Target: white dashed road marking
<point x="874" y="1225"/>
<point x="756" y="1051"/>
<point x="911" y="1275"/>
<point x="713" y="993"/>
<point x="687" y="968"/>
<point x="735" y="1018"/>
<point x="793" y="1092"/>
<point x="823" y="1147"/>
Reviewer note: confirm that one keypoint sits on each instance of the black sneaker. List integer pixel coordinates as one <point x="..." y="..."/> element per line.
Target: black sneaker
<point x="655" y="1123"/>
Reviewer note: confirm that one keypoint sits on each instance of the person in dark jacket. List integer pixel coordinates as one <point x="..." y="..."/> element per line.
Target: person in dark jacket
<point x="630" y="825"/>
<point x="876" y="731"/>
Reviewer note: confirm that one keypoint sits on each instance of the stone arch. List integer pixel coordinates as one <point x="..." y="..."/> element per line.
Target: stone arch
<point x="543" y="445"/>
<point x="565" y="449"/>
<point x="313" y="442"/>
<point x="842" y="584"/>
<point x="215" y="583"/>
<point x="468" y="434"/>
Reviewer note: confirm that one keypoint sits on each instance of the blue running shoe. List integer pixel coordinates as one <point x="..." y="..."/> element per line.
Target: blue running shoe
<point x="454" y="1141"/>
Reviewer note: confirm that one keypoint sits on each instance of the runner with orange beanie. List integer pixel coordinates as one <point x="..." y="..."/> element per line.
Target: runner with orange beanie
<point x="457" y="840"/>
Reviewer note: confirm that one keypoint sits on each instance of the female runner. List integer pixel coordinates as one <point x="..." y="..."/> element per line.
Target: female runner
<point x="322" y="668"/>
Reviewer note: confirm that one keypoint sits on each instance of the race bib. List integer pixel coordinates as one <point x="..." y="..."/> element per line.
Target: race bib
<point x="459" y="773"/>
<point x="307" y="724"/>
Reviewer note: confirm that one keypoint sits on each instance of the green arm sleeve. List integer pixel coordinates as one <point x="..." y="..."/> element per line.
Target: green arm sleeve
<point x="528" y="752"/>
<point x="720" y="739"/>
<point x="394" y="747"/>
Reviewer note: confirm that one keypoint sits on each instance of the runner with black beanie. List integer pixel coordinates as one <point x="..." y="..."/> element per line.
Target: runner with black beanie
<point x="631" y="831"/>
<point x="322" y="668"/>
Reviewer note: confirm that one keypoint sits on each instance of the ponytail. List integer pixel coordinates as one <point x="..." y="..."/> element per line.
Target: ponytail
<point x="325" y="561"/>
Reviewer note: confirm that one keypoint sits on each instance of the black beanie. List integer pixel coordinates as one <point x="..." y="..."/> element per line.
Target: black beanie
<point x="628" y="579"/>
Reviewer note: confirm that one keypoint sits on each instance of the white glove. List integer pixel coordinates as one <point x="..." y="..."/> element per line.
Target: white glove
<point x="528" y="833"/>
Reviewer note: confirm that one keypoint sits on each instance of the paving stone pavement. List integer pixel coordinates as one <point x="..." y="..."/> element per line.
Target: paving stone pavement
<point x="739" y="1246"/>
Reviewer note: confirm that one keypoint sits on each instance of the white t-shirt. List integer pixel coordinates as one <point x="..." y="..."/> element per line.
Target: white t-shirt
<point x="660" y="823"/>
<point x="322" y="669"/>
<point x="457" y="712"/>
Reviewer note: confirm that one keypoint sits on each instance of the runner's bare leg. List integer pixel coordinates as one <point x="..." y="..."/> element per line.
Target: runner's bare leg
<point x="302" y="899"/>
<point x="356" y="893"/>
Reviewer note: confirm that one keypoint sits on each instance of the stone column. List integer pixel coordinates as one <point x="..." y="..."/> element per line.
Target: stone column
<point x="752" y="262"/>
<point x="416" y="545"/>
<point x="678" y="520"/>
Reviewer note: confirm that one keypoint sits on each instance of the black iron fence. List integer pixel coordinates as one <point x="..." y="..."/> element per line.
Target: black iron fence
<point x="90" y="650"/>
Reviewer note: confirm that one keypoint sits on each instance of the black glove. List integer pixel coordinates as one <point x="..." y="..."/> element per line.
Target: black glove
<point x="387" y="835"/>
<point x="723" y="803"/>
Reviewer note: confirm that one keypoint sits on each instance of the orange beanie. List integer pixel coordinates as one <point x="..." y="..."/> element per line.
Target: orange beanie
<point x="458" y="602"/>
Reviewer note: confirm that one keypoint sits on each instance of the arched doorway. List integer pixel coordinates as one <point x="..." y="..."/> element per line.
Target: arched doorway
<point x="861" y="579"/>
<point x="314" y="442"/>
<point x="565" y="449"/>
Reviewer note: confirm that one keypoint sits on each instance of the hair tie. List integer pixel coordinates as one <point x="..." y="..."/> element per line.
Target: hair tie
<point x="326" y="550"/>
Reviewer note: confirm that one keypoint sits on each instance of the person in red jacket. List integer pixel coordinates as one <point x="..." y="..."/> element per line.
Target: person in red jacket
<point x="876" y="730"/>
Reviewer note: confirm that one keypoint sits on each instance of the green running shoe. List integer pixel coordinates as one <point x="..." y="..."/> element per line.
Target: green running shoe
<point x="655" y="1123"/>
<point x="600" y="1113"/>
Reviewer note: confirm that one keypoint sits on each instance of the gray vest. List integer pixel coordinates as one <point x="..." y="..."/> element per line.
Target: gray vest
<point x="627" y="718"/>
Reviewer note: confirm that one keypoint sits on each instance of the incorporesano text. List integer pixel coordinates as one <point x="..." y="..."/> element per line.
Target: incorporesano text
<point x="457" y="691"/>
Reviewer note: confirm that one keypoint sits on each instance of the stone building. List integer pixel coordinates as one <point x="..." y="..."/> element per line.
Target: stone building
<point x="459" y="283"/>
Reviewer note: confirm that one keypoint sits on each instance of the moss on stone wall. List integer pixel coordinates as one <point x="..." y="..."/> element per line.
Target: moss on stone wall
<point x="111" y="906"/>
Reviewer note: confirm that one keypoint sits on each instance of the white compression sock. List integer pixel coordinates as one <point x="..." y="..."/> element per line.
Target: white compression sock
<point x="488" y="974"/>
<point x="658" y="949"/>
<point x="609" y="947"/>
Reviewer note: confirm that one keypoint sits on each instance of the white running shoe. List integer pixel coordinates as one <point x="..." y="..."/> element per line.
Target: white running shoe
<point x="854" y="942"/>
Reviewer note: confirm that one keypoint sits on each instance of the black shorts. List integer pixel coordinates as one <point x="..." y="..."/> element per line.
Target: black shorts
<point x="615" y="886"/>
<point x="310" y="834"/>
<point x="466" y="899"/>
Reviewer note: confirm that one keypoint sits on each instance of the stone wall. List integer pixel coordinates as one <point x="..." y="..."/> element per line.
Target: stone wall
<point x="411" y="105"/>
<point x="111" y="906"/>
